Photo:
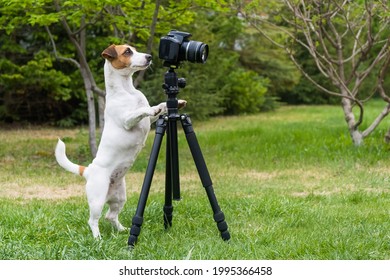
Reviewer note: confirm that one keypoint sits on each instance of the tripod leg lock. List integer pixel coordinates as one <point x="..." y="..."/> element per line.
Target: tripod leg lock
<point x="161" y="125"/>
<point x="186" y="123"/>
<point x="136" y="227"/>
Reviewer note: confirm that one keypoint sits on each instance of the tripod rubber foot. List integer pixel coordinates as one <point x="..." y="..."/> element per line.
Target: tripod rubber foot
<point x="135" y="230"/>
<point x="225" y="235"/>
<point x="132" y="240"/>
<point x="219" y="218"/>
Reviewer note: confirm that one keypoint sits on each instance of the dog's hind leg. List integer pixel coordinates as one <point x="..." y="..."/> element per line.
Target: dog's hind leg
<point x="96" y="189"/>
<point x="116" y="198"/>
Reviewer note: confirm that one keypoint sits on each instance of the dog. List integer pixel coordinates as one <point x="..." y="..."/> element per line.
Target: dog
<point x="128" y="117"/>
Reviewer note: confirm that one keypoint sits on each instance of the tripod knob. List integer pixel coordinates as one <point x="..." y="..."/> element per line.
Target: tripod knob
<point x="181" y="82"/>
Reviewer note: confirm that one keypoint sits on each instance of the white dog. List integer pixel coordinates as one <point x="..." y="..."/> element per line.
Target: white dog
<point x="127" y="123"/>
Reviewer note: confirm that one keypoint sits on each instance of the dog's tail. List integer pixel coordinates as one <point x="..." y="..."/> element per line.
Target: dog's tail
<point x="64" y="162"/>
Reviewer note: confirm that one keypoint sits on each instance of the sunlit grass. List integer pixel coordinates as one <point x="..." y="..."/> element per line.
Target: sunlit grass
<point x="290" y="182"/>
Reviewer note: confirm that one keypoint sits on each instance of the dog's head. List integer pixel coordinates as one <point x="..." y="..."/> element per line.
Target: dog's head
<point x="127" y="57"/>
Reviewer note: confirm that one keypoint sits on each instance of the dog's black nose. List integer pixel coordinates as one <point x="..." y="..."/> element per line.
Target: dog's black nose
<point x="148" y="57"/>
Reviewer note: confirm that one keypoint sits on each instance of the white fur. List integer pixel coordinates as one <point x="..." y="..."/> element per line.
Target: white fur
<point x="127" y="123"/>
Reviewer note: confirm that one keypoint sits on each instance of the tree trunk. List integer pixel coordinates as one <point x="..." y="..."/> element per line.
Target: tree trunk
<point x="102" y="106"/>
<point x="91" y="111"/>
<point x="92" y="122"/>
<point x="387" y="136"/>
<point x="79" y="40"/>
<point x="356" y="135"/>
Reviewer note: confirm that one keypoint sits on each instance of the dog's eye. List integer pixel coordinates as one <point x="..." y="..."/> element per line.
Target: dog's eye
<point x="128" y="51"/>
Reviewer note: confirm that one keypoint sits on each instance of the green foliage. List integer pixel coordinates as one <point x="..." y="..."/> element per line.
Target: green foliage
<point x="258" y="54"/>
<point x="242" y="74"/>
<point x="244" y="92"/>
<point x="29" y="88"/>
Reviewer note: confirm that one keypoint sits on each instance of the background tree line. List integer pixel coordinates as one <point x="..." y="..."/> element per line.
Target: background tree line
<point x="41" y="84"/>
<point x="260" y="53"/>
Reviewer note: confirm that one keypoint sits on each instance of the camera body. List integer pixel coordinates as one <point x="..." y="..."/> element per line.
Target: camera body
<point x="176" y="47"/>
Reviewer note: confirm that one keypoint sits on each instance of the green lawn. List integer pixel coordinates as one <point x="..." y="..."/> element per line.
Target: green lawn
<point x="290" y="182"/>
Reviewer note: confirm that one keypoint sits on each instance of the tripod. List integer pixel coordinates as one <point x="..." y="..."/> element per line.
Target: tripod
<point x="168" y="122"/>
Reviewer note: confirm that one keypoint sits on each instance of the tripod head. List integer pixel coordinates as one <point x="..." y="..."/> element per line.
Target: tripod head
<point x="171" y="86"/>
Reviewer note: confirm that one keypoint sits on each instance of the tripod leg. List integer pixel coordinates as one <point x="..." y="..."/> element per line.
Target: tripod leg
<point x="204" y="175"/>
<point x="168" y="208"/>
<point x="172" y="149"/>
<point x="172" y="180"/>
<point x="138" y="217"/>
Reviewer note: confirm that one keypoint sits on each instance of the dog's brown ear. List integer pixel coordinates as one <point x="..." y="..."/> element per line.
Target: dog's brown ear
<point x="110" y="53"/>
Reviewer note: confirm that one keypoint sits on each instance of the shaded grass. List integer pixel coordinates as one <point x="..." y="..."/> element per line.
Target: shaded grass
<point x="290" y="183"/>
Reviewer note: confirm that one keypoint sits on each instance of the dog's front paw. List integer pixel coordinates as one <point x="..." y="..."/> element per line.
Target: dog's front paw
<point x="154" y="111"/>
<point x="157" y="111"/>
<point x="181" y="103"/>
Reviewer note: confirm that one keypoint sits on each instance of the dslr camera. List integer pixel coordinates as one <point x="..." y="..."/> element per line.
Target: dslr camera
<point x="176" y="47"/>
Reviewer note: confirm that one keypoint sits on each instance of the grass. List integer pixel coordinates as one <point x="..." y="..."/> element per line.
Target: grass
<point x="290" y="182"/>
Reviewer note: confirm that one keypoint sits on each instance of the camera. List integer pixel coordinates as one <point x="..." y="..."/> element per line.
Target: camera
<point x="176" y="47"/>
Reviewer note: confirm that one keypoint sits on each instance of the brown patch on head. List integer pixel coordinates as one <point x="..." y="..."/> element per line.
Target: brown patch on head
<point x="110" y="53"/>
<point x="119" y="56"/>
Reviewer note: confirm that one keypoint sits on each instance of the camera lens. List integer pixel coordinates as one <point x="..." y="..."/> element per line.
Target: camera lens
<point x="195" y="51"/>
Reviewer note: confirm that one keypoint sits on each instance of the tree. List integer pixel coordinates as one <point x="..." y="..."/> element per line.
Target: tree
<point x="76" y="29"/>
<point x="348" y="41"/>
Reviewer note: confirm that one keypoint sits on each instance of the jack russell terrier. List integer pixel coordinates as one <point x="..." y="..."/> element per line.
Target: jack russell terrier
<point x="128" y="116"/>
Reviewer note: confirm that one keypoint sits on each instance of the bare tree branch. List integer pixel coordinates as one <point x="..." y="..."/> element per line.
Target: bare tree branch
<point x="56" y="55"/>
<point x="341" y="37"/>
